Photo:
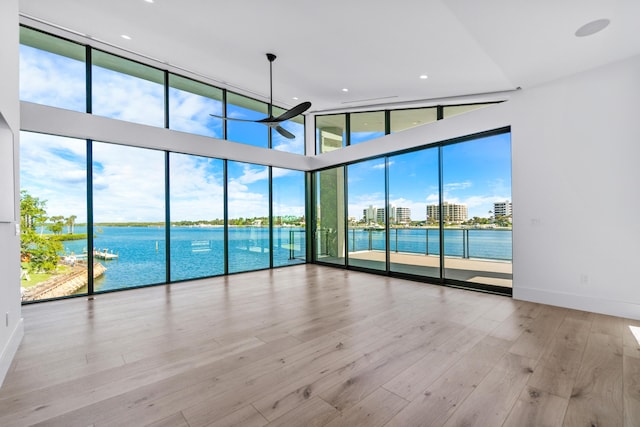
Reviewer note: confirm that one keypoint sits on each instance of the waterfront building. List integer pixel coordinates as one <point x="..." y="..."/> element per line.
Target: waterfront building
<point x="502" y="208"/>
<point x="397" y="215"/>
<point x="370" y="215"/>
<point x="402" y="215"/>
<point x="451" y="212"/>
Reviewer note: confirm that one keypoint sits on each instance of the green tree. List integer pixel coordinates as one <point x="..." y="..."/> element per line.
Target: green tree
<point x="38" y="249"/>
<point x="57" y="224"/>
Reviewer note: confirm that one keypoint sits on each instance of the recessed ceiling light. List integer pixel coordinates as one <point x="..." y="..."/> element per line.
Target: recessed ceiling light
<point x="344" y="89"/>
<point x="295" y="98"/>
<point x="424" y="77"/>
<point x="126" y="37"/>
<point x="149" y="1"/>
<point x="592" y="27"/>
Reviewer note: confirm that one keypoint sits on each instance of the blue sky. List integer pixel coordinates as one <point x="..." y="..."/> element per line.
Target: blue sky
<point x="129" y="182"/>
<point x="476" y="173"/>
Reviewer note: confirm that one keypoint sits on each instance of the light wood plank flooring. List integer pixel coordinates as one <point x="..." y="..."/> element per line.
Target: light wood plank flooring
<point x="315" y="346"/>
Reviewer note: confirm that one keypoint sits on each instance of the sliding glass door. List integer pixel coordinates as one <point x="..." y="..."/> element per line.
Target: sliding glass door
<point x="366" y="234"/>
<point x="414" y="236"/>
<point x="477" y="211"/>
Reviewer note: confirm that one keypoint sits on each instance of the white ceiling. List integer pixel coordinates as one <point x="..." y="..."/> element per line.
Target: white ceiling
<point x="377" y="49"/>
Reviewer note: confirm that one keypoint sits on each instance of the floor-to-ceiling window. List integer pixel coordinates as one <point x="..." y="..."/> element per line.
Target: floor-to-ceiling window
<point x="414" y="237"/>
<point x="129" y="215"/>
<point x="248" y="216"/>
<point x="476" y="183"/>
<point x="366" y="233"/>
<point x="197" y="216"/>
<point x="53" y="217"/>
<point x="442" y="213"/>
<point x="288" y="233"/>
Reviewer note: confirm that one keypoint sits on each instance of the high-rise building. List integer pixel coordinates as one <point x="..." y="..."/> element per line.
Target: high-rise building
<point x="402" y="215"/>
<point x="397" y="215"/>
<point x="502" y="208"/>
<point x="451" y="212"/>
<point x="370" y="214"/>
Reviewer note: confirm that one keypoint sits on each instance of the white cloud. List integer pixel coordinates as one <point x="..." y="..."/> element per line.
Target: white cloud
<point x="128" y="183"/>
<point x="278" y="142"/>
<point x="129" y="98"/>
<point x="381" y="165"/>
<point x="456" y="186"/>
<point x="54" y="169"/>
<point x="191" y="113"/>
<point x="50" y="79"/>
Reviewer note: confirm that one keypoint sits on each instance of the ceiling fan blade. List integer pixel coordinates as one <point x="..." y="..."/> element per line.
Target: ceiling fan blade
<point x="233" y="118"/>
<point x="298" y="109"/>
<point x="282" y="131"/>
<point x="271" y="121"/>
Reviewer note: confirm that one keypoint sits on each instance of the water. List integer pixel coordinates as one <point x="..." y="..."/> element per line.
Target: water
<point x="467" y="243"/>
<point x="199" y="251"/>
<point x="195" y="252"/>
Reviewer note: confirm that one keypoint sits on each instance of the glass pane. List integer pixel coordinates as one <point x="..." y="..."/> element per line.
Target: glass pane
<point x="129" y="215"/>
<point x="197" y="216"/>
<point x="127" y="90"/>
<point x="406" y="119"/>
<point x="289" y="239"/>
<point x="330" y="132"/>
<point x="460" y="109"/>
<point x="329" y="233"/>
<point x="241" y="107"/>
<point x="52" y="71"/>
<point x="294" y="126"/>
<point x="366" y="126"/>
<point x="248" y="210"/>
<point x="414" y="238"/>
<point x="190" y="106"/>
<point x="476" y="175"/>
<point x="366" y="236"/>
<point x="53" y="216"/>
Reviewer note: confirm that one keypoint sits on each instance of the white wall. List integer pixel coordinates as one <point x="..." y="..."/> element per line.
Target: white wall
<point x="576" y="145"/>
<point x="11" y="327"/>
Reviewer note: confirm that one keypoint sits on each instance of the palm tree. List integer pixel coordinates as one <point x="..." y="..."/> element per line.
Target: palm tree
<point x="70" y="223"/>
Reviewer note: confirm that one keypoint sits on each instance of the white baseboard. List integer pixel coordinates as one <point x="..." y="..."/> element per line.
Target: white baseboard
<point x="579" y="302"/>
<point x="9" y="351"/>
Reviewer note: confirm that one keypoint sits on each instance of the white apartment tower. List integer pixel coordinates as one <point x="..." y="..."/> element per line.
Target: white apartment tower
<point x="502" y="208"/>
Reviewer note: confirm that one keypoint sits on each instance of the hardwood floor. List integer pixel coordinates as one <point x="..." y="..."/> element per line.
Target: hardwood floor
<point x="318" y="346"/>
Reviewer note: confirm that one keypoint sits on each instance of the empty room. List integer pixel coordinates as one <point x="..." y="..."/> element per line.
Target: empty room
<point x="287" y="213"/>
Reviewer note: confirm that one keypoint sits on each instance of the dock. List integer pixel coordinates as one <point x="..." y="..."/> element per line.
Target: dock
<point x="104" y="254"/>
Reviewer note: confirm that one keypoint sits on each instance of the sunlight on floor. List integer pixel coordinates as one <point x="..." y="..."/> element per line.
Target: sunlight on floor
<point x="635" y="330"/>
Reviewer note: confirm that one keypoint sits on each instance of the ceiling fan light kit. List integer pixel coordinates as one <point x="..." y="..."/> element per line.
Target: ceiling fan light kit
<point x="271" y="121"/>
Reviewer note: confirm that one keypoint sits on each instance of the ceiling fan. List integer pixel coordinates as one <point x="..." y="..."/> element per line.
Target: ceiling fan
<point x="274" y="122"/>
